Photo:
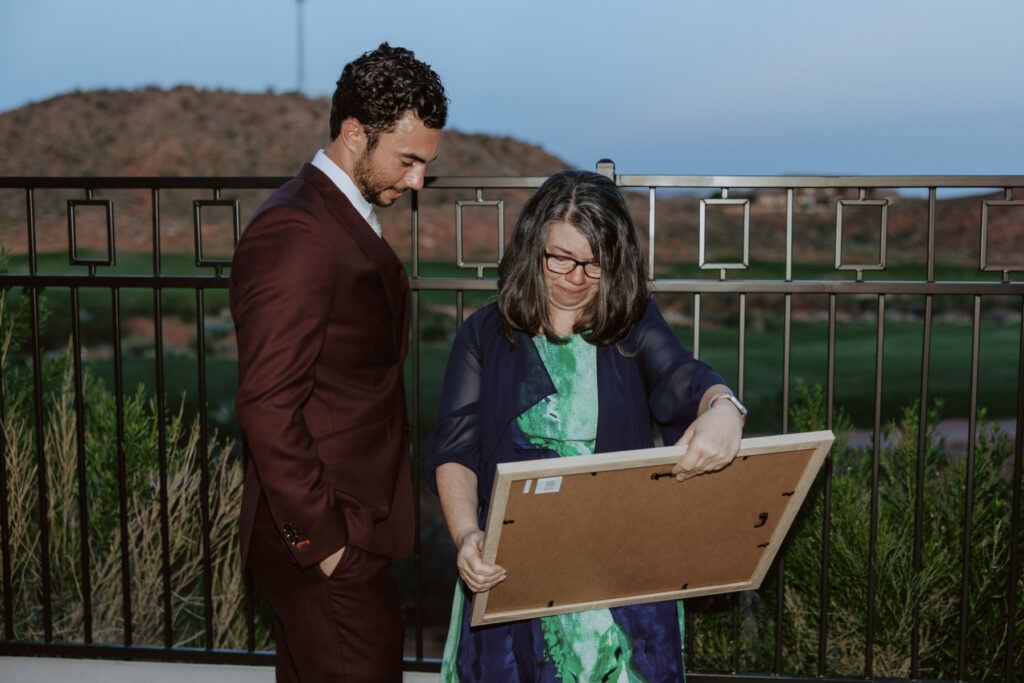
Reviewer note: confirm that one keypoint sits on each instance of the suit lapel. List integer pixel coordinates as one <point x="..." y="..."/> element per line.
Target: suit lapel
<point x="389" y="267"/>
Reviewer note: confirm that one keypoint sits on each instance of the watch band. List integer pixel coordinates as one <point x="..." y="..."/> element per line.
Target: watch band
<point x="731" y="398"/>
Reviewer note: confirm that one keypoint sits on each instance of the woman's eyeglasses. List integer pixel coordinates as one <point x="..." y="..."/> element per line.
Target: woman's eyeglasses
<point x="562" y="265"/>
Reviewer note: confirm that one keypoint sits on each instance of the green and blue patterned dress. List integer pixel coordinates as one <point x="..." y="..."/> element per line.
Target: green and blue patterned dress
<point x="596" y="645"/>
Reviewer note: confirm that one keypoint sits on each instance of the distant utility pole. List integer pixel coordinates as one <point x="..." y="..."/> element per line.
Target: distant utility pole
<point x="301" y="47"/>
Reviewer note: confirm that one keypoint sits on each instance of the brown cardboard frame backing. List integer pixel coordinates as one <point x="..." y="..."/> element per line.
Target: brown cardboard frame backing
<point x="615" y="529"/>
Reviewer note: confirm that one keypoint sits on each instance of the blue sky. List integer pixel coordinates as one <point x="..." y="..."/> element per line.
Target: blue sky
<point x="742" y="87"/>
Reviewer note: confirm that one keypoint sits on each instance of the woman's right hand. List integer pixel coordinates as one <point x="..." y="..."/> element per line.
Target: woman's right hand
<point x="478" y="575"/>
<point x="456" y="485"/>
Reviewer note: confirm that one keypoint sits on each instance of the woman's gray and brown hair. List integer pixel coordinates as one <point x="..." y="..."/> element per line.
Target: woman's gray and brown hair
<point x="592" y="204"/>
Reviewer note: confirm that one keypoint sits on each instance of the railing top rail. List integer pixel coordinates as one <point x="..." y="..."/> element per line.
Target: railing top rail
<point x="624" y="180"/>
<point x="143" y="182"/>
<point x="690" y="285"/>
<point x="852" y="181"/>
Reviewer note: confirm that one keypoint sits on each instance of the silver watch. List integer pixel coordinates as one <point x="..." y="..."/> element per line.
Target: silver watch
<point x="731" y="398"/>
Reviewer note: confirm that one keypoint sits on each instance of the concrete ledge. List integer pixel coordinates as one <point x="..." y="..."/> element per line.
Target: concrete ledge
<point x="47" y="669"/>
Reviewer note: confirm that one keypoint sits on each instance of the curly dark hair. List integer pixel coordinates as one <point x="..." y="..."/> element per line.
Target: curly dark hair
<point x="592" y="204"/>
<point x="378" y="88"/>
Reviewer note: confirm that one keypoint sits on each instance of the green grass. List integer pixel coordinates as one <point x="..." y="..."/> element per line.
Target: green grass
<point x="949" y="377"/>
<point x="949" y="369"/>
<point x="96" y="303"/>
<point x="181" y="382"/>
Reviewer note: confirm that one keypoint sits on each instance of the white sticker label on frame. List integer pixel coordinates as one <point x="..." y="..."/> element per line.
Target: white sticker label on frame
<point x="549" y="485"/>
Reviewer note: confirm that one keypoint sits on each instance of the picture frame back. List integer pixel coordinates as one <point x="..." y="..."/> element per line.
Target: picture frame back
<point x="614" y="529"/>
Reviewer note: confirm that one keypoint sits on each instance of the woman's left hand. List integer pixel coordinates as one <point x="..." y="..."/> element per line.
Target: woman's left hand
<point x="712" y="441"/>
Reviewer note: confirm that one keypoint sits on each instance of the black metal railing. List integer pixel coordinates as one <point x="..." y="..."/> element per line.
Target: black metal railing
<point x="739" y="264"/>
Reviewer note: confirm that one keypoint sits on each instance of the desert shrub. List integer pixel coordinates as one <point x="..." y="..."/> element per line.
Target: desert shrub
<point x="54" y="447"/>
<point x="739" y="632"/>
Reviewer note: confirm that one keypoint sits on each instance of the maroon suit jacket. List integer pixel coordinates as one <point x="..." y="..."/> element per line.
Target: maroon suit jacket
<point x="321" y="311"/>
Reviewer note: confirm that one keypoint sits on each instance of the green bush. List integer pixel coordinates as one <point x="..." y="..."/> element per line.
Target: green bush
<point x="145" y="537"/>
<point x="743" y="629"/>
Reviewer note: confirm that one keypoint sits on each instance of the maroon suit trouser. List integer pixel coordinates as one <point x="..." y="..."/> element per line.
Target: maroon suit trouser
<point x="346" y="627"/>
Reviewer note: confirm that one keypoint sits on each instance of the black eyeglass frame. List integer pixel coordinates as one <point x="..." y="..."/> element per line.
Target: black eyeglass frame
<point x="548" y="256"/>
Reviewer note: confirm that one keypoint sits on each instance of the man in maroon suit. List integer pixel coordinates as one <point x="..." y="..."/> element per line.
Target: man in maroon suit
<point x="320" y="303"/>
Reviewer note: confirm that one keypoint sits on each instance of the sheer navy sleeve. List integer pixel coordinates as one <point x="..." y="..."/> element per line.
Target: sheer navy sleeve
<point x="675" y="381"/>
<point x="456" y="438"/>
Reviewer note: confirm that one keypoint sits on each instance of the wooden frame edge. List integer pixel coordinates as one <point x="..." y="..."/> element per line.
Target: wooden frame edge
<point x="508" y="473"/>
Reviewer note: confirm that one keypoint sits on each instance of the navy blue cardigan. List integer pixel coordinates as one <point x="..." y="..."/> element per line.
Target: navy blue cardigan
<point x="489" y="382"/>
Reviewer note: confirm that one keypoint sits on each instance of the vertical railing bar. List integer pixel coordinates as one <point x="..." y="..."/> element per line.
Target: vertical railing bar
<point x="30" y="210"/>
<point x="781" y="562"/>
<point x="158" y="343"/>
<point x="972" y="422"/>
<point x="248" y="583"/>
<point x="250" y="599"/>
<point x="204" y="468"/>
<point x="44" y="525"/>
<point x="787" y="341"/>
<point x="249" y="602"/>
<point x="415" y="233"/>
<point x="122" y="469"/>
<point x="417" y="456"/>
<point x="742" y="345"/>
<point x="922" y="443"/>
<point x="831" y="379"/>
<point x="247" y="579"/>
<point x="780" y="596"/>
<point x="788" y="313"/>
<point x="460" y="314"/>
<point x="869" y="647"/>
<point x="1008" y="196"/>
<point x="735" y="599"/>
<point x="789" y="234"/>
<point x="417" y="476"/>
<point x="826" y="515"/>
<point x="40" y="441"/>
<point x="1015" y="512"/>
<point x="919" y="493"/>
<point x="5" y="528"/>
<point x="696" y="326"/>
<point x="80" y="462"/>
<point x="931" y="234"/>
<point x="650" y="234"/>
<point x="83" y="490"/>
<point x="155" y="201"/>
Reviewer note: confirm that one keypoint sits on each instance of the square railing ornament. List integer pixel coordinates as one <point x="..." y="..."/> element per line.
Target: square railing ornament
<point x="883" y="206"/>
<point x="108" y="208"/>
<point x="197" y="209"/>
<point x="460" y="204"/>
<point x="1014" y="208"/>
<point x="724" y="266"/>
